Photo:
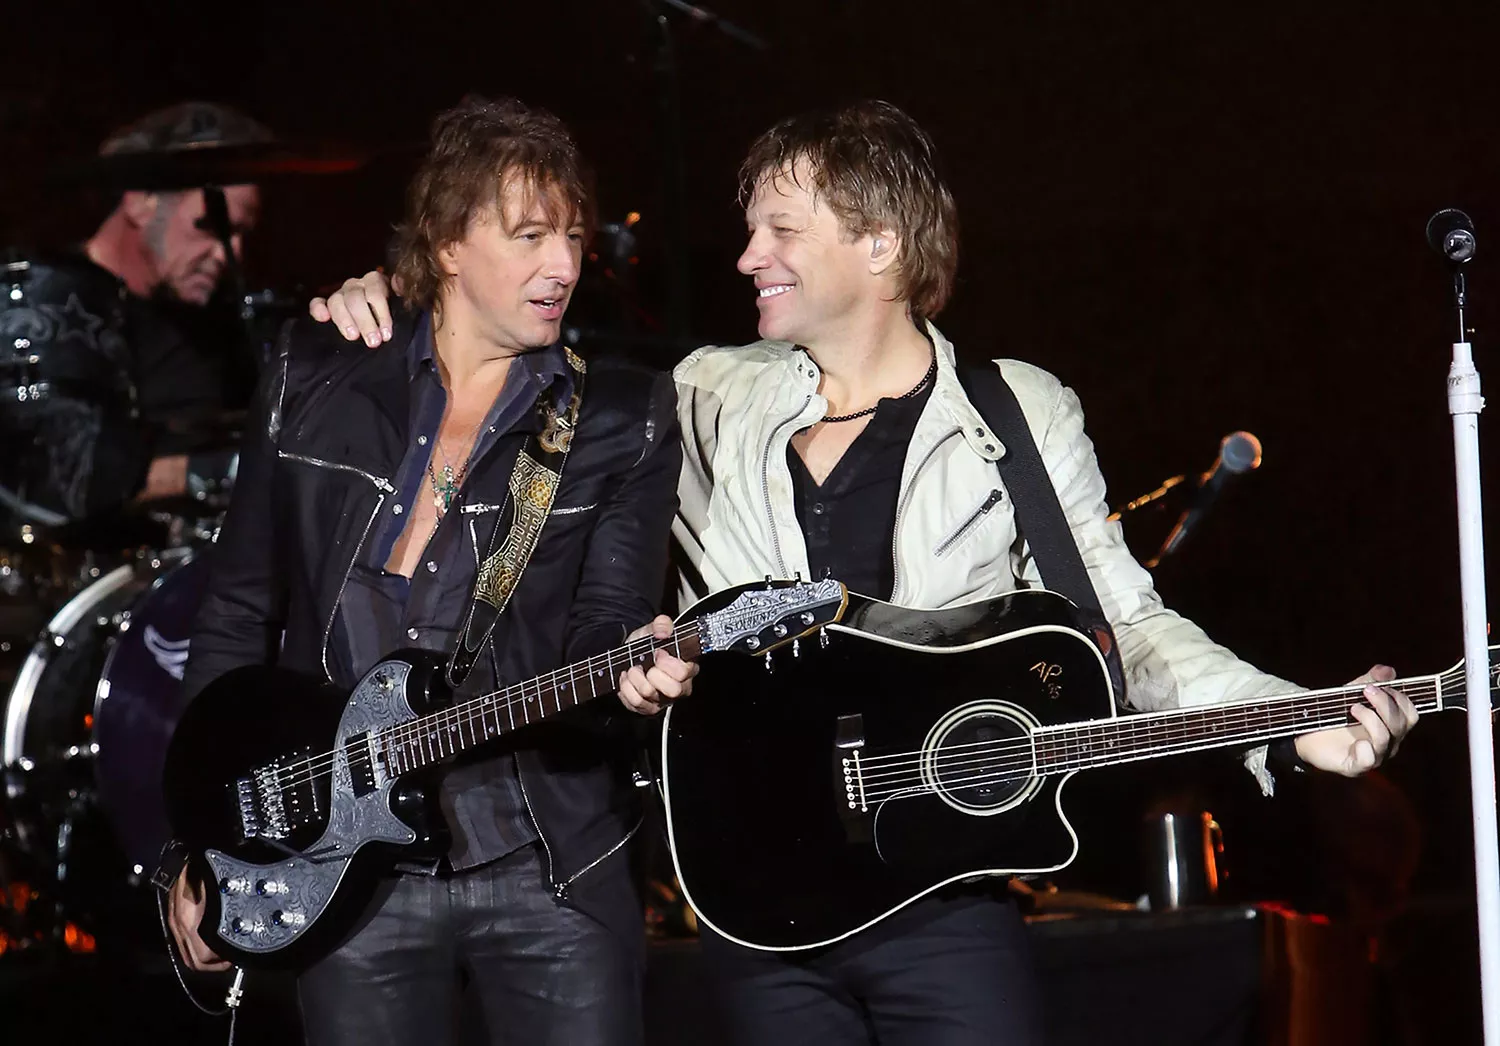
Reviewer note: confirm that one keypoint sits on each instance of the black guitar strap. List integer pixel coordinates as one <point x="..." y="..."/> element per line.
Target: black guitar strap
<point x="1038" y="512"/>
<point x="533" y="485"/>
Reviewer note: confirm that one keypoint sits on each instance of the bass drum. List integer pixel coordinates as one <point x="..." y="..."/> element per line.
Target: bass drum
<point x="94" y="705"/>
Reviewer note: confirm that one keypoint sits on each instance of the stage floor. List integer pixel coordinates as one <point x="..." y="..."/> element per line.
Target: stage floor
<point x="1205" y="976"/>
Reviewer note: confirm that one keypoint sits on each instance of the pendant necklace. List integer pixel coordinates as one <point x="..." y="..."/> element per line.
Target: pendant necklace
<point x="445" y="489"/>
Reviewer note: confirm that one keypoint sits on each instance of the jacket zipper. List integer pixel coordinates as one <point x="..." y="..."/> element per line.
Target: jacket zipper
<point x="606" y="855"/>
<point x="383" y="485"/>
<point x="765" y="485"/>
<point x="558" y="892"/>
<point x="901" y="507"/>
<point x="979" y="513"/>
<point x="385" y="488"/>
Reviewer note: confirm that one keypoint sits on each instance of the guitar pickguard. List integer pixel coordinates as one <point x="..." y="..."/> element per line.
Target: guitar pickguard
<point x="266" y="907"/>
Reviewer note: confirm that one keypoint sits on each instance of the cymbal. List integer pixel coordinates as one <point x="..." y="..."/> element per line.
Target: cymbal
<point x="195" y="166"/>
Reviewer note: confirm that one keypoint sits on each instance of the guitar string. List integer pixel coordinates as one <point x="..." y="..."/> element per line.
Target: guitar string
<point x="1060" y="760"/>
<point x="1422" y="685"/>
<point x="1001" y="773"/>
<point x="431" y="730"/>
<point x="455" y="715"/>
<point x="1084" y="737"/>
<point x="416" y="731"/>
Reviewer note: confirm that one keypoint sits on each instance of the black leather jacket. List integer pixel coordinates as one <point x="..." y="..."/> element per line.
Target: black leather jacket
<point x="316" y="468"/>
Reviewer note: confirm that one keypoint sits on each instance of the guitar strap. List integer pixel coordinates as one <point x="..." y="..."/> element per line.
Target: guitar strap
<point x="533" y="485"/>
<point x="1038" y="512"/>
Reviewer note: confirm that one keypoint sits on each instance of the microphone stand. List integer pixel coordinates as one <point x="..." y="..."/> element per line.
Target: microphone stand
<point x="1464" y="404"/>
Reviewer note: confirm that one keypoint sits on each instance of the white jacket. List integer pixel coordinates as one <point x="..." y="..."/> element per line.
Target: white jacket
<point x="955" y="536"/>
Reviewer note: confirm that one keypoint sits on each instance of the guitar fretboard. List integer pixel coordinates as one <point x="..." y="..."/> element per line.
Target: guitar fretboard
<point x="456" y="729"/>
<point x="1146" y="735"/>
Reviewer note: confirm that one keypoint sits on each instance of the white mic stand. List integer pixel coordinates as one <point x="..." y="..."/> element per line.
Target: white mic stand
<point x="1452" y="234"/>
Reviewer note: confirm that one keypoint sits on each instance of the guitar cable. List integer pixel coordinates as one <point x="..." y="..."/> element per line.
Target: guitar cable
<point x="172" y="863"/>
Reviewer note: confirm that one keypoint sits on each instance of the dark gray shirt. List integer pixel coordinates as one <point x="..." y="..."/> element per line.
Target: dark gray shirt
<point x="382" y="612"/>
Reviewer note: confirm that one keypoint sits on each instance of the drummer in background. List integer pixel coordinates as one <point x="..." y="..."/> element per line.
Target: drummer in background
<point x="141" y="369"/>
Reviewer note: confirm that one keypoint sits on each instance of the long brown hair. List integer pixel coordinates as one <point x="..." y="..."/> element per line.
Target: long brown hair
<point x="479" y="148"/>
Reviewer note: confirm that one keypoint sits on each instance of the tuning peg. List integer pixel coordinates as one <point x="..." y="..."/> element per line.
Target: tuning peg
<point x="796" y="648"/>
<point x="823" y="638"/>
<point x="770" y="665"/>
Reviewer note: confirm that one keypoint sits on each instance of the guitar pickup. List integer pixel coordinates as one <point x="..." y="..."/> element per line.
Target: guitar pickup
<point x="361" y="766"/>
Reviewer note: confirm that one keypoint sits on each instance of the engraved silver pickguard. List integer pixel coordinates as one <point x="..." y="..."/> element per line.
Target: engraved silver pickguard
<point x="265" y="907"/>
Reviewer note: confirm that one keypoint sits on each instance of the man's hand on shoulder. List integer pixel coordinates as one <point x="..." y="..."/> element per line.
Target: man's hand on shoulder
<point x="1381" y="721"/>
<point x="361" y="309"/>
<point x="645" y="691"/>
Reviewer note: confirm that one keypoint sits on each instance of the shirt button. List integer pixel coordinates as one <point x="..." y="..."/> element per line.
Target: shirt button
<point x="412" y="633"/>
<point x="397" y="509"/>
<point x="421" y="441"/>
<point x="431" y="567"/>
<point x="818" y="509"/>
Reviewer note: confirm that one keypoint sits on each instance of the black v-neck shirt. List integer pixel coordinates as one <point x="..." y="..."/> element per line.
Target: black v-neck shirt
<point x="849" y="522"/>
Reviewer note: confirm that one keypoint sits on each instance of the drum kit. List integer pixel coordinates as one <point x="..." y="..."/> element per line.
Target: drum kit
<point x="96" y="614"/>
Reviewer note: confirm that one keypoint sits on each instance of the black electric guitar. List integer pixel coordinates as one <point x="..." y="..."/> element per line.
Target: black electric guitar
<point x="913" y="748"/>
<point x="293" y="796"/>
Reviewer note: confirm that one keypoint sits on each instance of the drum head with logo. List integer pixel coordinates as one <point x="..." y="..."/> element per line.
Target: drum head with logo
<point x="96" y="699"/>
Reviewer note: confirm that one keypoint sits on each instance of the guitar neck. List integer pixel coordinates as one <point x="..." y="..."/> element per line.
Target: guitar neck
<point x="458" y="728"/>
<point x="1147" y="735"/>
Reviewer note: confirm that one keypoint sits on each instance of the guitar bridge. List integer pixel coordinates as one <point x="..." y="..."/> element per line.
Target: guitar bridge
<point x="849" y="777"/>
<point x="278" y="798"/>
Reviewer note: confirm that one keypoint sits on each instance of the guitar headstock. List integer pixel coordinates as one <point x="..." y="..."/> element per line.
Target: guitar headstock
<point x="1455" y="683"/>
<point x="765" y="616"/>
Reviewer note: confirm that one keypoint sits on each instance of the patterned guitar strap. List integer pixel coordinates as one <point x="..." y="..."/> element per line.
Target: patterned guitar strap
<point x="533" y="485"/>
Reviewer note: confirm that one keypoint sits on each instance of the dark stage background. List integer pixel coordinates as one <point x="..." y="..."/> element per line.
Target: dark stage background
<point x="1204" y="218"/>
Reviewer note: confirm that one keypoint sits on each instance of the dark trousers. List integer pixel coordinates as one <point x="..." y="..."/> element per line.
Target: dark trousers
<point x="540" y="972"/>
<point x="953" y="971"/>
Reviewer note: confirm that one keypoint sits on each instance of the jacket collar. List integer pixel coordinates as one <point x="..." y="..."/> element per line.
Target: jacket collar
<point x="948" y="394"/>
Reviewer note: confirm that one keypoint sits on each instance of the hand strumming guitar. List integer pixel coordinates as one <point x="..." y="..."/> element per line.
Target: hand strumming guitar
<point x="185" y="905"/>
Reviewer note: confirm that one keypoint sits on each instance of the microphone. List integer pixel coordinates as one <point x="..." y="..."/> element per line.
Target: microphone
<point x="1450" y="232"/>
<point x="1239" y="452"/>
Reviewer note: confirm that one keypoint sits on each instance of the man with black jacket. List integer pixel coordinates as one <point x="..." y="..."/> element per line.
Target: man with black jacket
<point x="371" y="487"/>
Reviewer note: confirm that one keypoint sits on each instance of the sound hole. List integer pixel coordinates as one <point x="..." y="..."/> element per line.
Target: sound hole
<point x="979" y="759"/>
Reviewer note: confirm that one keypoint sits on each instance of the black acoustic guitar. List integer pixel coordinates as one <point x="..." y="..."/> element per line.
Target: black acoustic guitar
<point x="293" y="797"/>
<point x="910" y="749"/>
